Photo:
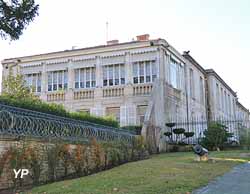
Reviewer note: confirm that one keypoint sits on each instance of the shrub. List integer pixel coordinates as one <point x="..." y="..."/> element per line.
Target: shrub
<point x="188" y="134"/>
<point x="53" y="160"/>
<point x="97" y="155"/>
<point x="55" y="109"/>
<point x="215" y="136"/>
<point x="65" y="156"/>
<point x="79" y="161"/>
<point x="134" y="128"/>
<point x="33" y="162"/>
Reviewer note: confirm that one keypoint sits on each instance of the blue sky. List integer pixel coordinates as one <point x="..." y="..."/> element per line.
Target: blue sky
<point x="216" y="32"/>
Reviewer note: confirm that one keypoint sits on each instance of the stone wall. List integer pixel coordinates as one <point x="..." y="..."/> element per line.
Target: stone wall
<point x="67" y="160"/>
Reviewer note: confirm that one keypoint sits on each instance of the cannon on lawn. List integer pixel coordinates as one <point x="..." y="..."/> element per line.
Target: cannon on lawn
<point x="201" y="153"/>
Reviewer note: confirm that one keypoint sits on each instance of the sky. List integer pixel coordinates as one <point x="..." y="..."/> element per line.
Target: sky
<point x="215" y="31"/>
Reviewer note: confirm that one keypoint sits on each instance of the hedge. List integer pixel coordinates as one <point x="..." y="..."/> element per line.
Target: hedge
<point x="56" y="109"/>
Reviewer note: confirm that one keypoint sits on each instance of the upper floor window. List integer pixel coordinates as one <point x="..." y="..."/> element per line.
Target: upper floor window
<point x="218" y="96"/>
<point x="191" y="80"/>
<point x="113" y="75"/>
<point x="176" y="74"/>
<point x="144" y="72"/>
<point x="33" y="81"/>
<point x="201" y="90"/>
<point x="57" y="80"/>
<point x="85" y="77"/>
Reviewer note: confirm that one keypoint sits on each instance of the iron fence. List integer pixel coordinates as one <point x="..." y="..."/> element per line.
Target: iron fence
<point x="27" y="123"/>
<point x="199" y="125"/>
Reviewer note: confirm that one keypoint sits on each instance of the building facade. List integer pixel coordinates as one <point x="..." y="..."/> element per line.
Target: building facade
<point x="135" y="82"/>
<point x="242" y="115"/>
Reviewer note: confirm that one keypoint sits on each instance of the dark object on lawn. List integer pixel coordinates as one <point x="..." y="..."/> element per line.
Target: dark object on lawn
<point x="199" y="150"/>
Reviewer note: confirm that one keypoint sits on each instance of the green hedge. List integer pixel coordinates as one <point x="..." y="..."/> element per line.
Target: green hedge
<point x="56" y="109"/>
<point x="134" y="128"/>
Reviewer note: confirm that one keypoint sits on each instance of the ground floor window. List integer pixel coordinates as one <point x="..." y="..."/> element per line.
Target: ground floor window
<point x="113" y="112"/>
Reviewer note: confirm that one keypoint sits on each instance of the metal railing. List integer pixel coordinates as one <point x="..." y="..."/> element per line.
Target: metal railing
<point x="27" y="123"/>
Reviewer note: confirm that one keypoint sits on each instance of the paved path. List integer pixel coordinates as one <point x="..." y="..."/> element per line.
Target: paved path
<point x="236" y="181"/>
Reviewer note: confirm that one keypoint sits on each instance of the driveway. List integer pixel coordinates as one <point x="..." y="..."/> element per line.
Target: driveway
<point x="237" y="181"/>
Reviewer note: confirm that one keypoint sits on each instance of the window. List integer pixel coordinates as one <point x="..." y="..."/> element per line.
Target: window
<point x="33" y="81"/>
<point x="144" y="72"/>
<point x="57" y="80"/>
<point x="105" y="75"/>
<point x="201" y="91"/>
<point x="88" y="77"/>
<point x="173" y="73"/>
<point x="113" y="75"/>
<point x="113" y="112"/>
<point x="135" y="73"/>
<point x="85" y="77"/>
<point x="141" y="72"/>
<point x="229" y="104"/>
<point x="122" y="74"/>
<point x="110" y="75"/>
<point x="54" y="80"/>
<point x="191" y="80"/>
<point x="222" y="101"/>
<point x="148" y="74"/>
<point x="176" y="74"/>
<point x="218" y="95"/>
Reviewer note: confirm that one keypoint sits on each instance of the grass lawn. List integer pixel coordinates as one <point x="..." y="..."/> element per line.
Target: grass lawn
<point x="172" y="173"/>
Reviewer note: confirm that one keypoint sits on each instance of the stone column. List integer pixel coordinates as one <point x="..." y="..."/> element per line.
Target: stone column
<point x="98" y="72"/>
<point x="69" y="93"/>
<point x="44" y="79"/>
<point x="128" y="69"/>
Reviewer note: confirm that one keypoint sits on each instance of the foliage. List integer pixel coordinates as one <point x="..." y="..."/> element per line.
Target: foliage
<point x="14" y="86"/>
<point x="215" y="136"/>
<point x="168" y="134"/>
<point x="53" y="160"/>
<point x="188" y="134"/>
<point x="33" y="162"/>
<point x="64" y="156"/>
<point x="97" y="154"/>
<point x="22" y="156"/>
<point x="244" y="134"/>
<point x="15" y="16"/>
<point x="179" y="132"/>
<point x="55" y="109"/>
<point x="135" y="128"/>
<point x="79" y="160"/>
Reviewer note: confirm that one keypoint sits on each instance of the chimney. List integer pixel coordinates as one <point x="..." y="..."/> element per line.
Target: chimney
<point x="143" y="37"/>
<point x="112" y="42"/>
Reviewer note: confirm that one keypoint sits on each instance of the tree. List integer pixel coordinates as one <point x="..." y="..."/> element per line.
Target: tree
<point x="15" y="87"/>
<point x="15" y="16"/>
<point x="244" y="137"/>
<point x="215" y="136"/>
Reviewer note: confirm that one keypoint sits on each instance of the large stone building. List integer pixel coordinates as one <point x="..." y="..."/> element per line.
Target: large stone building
<point x="139" y="82"/>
